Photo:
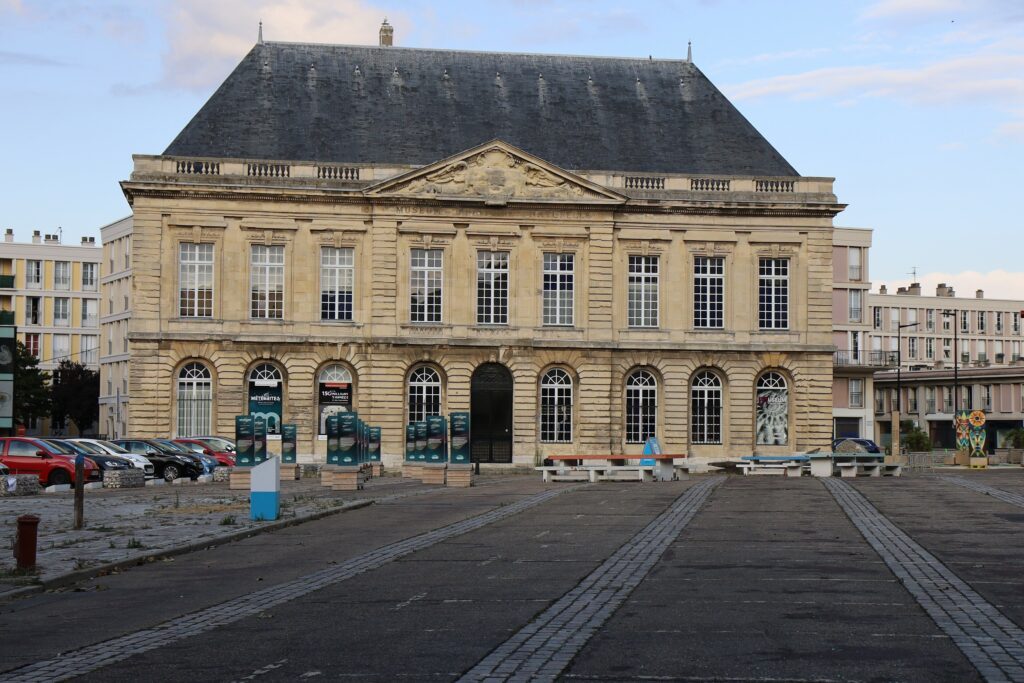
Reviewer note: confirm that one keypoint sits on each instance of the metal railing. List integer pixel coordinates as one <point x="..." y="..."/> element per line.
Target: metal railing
<point x="6" y="282"/>
<point x="865" y="358"/>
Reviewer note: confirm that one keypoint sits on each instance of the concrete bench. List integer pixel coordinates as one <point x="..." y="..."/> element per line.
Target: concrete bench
<point x="562" y="473"/>
<point x="613" y="473"/>
<point x="788" y="465"/>
<point x="858" y="469"/>
<point x="892" y="470"/>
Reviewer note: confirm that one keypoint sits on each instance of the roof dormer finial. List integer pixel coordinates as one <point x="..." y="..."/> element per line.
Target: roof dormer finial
<point x="259" y="36"/>
<point x="689" y="51"/>
<point x="387" y="34"/>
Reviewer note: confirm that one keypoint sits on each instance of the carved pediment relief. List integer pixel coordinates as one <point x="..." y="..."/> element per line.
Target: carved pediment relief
<point x="496" y="173"/>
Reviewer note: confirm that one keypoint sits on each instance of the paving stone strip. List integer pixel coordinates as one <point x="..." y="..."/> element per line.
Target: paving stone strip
<point x="989" y="640"/>
<point x="84" y="660"/>
<point x="542" y="649"/>
<point x="1005" y="496"/>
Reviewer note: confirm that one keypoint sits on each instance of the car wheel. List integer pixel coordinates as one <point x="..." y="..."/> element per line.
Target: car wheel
<point x="171" y="473"/>
<point x="59" y="478"/>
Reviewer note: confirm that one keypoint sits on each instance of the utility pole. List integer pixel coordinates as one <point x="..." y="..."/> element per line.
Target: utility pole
<point x="896" y="448"/>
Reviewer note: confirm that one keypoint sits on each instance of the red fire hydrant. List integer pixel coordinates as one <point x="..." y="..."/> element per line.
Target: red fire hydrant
<point x="25" y="541"/>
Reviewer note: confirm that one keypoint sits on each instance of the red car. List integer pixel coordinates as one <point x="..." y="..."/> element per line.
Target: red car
<point x="200" y="446"/>
<point x="51" y="463"/>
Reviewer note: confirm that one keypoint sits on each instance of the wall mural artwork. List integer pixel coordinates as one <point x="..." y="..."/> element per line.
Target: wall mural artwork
<point x="772" y="416"/>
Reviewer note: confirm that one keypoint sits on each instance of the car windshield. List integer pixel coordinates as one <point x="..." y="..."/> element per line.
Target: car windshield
<point x="176" y="447"/>
<point x="58" y="447"/>
<point x="198" y="448"/>
<point x="114" y="447"/>
<point x="218" y="444"/>
<point x="87" y="447"/>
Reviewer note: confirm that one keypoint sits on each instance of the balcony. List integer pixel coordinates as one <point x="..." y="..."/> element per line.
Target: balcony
<point x="930" y="410"/>
<point x="6" y="282"/>
<point x="864" y="359"/>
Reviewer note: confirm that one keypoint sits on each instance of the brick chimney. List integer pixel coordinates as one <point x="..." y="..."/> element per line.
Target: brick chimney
<point x="36" y="237"/>
<point x="914" y="289"/>
<point x="9" y="235"/>
<point x="980" y="294"/>
<point x="883" y="290"/>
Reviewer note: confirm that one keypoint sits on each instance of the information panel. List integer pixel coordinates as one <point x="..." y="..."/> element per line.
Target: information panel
<point x="460" y="438"/>
<point x="436" y="441"/>
<point x="410" y="441"/>
<point x="259" y="440"/>
<point x="374" y="444"/>
<point x="288" y="435"/>
<point x="421" y="441"/>
<point x="243" y="441"/>
<point x="347" y="453"/>
<point x="333" y="436"/>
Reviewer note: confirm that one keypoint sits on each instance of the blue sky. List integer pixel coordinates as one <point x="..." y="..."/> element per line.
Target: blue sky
<point x="916" y="107"/>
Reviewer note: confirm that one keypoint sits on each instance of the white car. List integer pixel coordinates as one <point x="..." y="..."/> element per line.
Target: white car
<point x="101" y="446"/>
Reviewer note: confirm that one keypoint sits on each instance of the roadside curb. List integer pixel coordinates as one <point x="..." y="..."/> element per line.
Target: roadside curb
<point x="145" y="558"/>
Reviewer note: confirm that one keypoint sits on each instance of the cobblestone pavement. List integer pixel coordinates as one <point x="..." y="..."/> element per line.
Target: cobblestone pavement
<point x="127" y="523"/>
<point x="1005" y="496"/>
<point x="992" y="642"/>
<point x="543" y="648"/>
<point x="82" y="661"/>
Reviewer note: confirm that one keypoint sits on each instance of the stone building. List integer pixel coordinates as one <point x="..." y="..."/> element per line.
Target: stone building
<point x="116" y="312"/>
<point x="580" y="251"/>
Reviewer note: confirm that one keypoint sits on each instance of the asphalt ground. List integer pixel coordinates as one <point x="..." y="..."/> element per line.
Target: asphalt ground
<point x="769" y="580"/>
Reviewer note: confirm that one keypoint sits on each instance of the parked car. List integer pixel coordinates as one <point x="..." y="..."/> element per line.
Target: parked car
<point x="199" y="446"/>
<point x="135" y="459"/>
<point x="208" y="461"/>
<point x="169" y="464"/>
<point x="218" y="443"/>
<point x="4" y="470"/>
<point x="52" y="464"/>
<point x="856" y="445"/>
<point x="105" y="461"/>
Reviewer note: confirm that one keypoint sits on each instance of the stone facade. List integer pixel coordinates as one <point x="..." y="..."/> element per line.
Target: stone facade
<point x="516" y="204"/>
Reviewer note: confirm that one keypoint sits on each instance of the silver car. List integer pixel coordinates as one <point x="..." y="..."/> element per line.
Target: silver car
<point x="101" y="446"/>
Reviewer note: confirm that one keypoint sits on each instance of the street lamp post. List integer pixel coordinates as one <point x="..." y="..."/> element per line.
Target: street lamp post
<point x="956" y="365"/>
<point x="899" y="387"/>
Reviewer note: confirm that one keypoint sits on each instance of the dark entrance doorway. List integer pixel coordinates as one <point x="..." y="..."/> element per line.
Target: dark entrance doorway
<point x="491" y="414"/>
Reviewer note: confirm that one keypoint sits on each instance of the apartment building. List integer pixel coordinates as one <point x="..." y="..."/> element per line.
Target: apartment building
<point x="954" y="352"/>
<point x="115" y="314"/>
<point x="53" y="291"/>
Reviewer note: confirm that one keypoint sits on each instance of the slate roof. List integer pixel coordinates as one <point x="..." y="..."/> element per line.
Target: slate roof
<point x="390" y="105"/>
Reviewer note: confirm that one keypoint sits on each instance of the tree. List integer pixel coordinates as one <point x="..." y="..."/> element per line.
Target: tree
<point x="75" y="395"/>
<point x="31" y="393"/>
<point x="913" y="439"/>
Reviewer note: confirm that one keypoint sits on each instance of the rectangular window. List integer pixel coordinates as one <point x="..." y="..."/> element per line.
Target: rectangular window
<point x="559" y="289"/>
<point x="61" y="347"/>
<point x="32" y="343"/>
<point x="945" y="320"/>
<point x="876" y="315"/>
<point x="88" y="355"/>
<point x="855" y="270"/>
<point x="90" y="313"/>
<point x="982" y="321"/>
<point x="425" y="285"/>
<point x="929" y="348"/>
<point x="965" y="321"/>
<point x="912" y="399"/>
<point x="61" y="275"/>
<point x="708" y="292"/>
<point x="912" y="347"/>
<point x="1016" y="323"/>
<point x="62" y="312"/>
<point x="266" y="282"/>
<point x="34" y="274"/>
<point x="33" y="310"/>
<point x="879" y="401"/>
<point x="643" y="291"/>
<point x="894" y="318"/>
<point x="773" y="294"/>
<point x="998" y="322"/>
<point x="195" y="280"/>
<point x="89" y="277"/>
<point x="929" y="320"/>
<point x="856" y="297"/>
<point x="986" y="397"/>
<point x="337" y="281"/>
<point x="947" y="349"/>
<point x="492" y="287"/>
<point x="856" y="393"/>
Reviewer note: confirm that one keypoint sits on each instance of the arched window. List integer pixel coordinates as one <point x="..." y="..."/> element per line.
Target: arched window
<point x="772" y="410"/>
<point x="195" y="400"/>
<point x="556" y="407"/>
<point x="706" y="408"/>
<point x="334" y="392"/>
<point x="424" y="393"/>
<point x="641" y="406"/>
<point x="265" y="395"/>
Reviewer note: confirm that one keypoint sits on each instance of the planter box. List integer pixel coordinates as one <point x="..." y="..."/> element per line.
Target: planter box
<point x="433" y="473"/>
<point x="460" y="476"/>
<point x="240" y="479"/>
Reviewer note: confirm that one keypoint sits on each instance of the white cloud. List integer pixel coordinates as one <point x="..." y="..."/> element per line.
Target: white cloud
<point x="207" y="39"/>
<point x="997" y="284"/>
<point x="888" y="9"/>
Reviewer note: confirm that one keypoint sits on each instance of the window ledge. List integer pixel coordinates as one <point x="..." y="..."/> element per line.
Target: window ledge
<point x="339" y="323"/>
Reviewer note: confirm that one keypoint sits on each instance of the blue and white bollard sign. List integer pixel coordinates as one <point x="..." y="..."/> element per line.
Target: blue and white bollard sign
<point x="265" y="490"/>
<point x="651" y="447"/>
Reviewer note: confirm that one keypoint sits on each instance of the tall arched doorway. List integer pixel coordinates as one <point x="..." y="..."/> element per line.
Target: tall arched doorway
<point x="491" y="414"/>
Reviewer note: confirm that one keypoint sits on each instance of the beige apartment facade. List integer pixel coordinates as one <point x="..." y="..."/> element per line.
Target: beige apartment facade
<point x="569" y="311"/>
<point x="115" y="313"/>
